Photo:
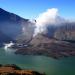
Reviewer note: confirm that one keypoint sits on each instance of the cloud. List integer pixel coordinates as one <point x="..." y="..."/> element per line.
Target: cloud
<point x="47" y="18"/>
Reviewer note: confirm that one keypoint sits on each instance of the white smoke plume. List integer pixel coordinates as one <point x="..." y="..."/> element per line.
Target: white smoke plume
<point x="49" y="17"/>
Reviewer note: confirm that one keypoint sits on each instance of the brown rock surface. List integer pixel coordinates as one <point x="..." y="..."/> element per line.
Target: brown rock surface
<point x="14" y="70"/>
<point x="42" y="45"/>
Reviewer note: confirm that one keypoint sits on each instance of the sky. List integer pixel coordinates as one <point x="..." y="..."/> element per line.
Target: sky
<point x="30" y="9"/>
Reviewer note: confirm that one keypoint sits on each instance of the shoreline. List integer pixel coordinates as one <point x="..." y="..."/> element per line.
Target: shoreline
<point x="12" y="69"/>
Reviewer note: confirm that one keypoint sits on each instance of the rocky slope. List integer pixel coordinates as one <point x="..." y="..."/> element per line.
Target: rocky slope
<point x="15" y="70"/>
<point x="42" y="45"/>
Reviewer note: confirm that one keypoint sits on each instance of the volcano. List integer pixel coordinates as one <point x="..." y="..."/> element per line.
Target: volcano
<point x="43" y="45"/>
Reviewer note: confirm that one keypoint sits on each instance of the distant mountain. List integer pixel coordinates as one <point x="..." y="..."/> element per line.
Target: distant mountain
<point x="65" y="32"/>
<point x="13" y="27"/>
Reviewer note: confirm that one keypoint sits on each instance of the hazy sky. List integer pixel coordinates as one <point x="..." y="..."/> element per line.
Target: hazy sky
<point x="32" y="8"/>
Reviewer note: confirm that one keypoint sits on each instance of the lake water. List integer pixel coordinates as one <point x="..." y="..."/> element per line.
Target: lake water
<point x="64" y="66"/>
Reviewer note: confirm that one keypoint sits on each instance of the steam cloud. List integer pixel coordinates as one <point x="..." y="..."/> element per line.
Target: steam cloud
<point x="45" y="19"/>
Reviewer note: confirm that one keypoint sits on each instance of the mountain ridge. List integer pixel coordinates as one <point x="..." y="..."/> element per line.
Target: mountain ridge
<point x="12" y="26"/>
